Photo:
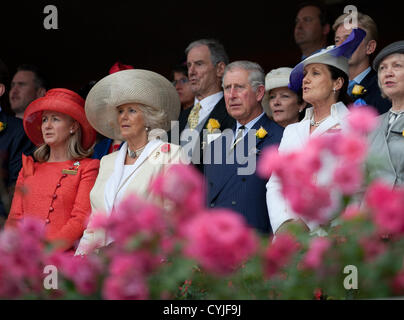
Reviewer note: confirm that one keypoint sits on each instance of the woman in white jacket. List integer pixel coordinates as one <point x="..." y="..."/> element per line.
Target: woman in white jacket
<point x="323" y="78"/>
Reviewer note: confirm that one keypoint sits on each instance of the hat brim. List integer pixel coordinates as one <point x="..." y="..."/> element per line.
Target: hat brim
<point x="334" y="56"/>
<point x="395" y="47"/>
<point x="130" y="86"/>
<point x="33" y="119"/>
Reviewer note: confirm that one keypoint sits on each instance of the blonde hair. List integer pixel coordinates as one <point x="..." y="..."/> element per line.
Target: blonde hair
<point x="75" y="150"/>
<point x="364" y="21"/>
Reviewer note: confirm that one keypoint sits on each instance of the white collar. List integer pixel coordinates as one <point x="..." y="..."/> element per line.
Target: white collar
<point x="114" y="181"/>
<point x="250" y="124"/>
<point x="338" y="110"/>
<point x="210" y="101"/>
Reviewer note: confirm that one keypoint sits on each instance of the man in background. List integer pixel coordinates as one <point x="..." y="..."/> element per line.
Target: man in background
<point x="27" y="85"/>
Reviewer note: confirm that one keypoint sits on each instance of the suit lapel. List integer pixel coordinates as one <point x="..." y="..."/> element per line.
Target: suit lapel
<point x="229" y="170"/>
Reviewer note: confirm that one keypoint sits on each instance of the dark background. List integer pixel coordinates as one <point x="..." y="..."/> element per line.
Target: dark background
<point x="153" y="35"/>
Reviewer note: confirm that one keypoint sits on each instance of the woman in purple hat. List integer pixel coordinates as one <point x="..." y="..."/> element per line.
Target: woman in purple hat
<point x="323" y="79"/>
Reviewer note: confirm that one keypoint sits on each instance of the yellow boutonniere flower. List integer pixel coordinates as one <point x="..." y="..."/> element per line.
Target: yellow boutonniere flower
<point x="403" y="133"/>
<point x="2" y="126"/>
<point x="358" y="90"/>
<point x="212" y="125"/>
<point x="261" y="133"/>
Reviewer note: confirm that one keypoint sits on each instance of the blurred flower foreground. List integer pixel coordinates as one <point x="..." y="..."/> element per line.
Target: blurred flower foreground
<point x="185" y="251"/>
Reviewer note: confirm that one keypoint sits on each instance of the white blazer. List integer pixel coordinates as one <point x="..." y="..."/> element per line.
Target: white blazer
<point x="294" y="138"/>
<point x="157" y="160"/>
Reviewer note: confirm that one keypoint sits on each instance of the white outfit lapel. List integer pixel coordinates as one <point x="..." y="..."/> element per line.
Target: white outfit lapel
<point x="114" y="183"/>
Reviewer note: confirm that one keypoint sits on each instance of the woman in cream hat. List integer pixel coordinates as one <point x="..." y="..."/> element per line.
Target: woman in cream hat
<point x="387" y="141"/>
<point x="324" y="80"/>
<point x="282" y="104"/>
<point x="55" y="184"/>
<point x="136" y="106"/>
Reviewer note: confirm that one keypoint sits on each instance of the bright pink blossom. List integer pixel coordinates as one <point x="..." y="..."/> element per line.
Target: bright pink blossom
<point x="183" y="185"/>
<point x="83" y="271"/>
<point x="127" y="276"/>
<point x="308" y="200"/>
<point x="279" y="253"/>
<point x="352" y="148"/>
<point x="314" y="256"/>
<point x="269" y="161"/>
<point x="348" y="177"/>
<point x="387" y="205"/>
<point x="219" y="240"/>
<point x="363" y="120"/>
<point x="134" y="216"/>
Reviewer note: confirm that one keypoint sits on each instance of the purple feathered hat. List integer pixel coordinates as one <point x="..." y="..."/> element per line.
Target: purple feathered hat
<point x="333" y="56"/>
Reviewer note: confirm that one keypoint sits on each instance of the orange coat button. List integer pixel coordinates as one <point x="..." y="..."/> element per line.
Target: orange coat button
<point x="54" y="196"/>
<point x="51" y="209"/>
<point x="47" y="220"/>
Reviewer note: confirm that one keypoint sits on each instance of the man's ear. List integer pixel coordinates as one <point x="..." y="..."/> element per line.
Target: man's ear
<point x="371" y="47"/>
<point x="2" y="89"/>
<point x="40" y="92"/>
<point x="260" y="92"/>
<point x="220" y="69"/>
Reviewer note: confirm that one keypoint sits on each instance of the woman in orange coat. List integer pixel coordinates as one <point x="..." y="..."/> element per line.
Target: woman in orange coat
<point x="54" y="186"/>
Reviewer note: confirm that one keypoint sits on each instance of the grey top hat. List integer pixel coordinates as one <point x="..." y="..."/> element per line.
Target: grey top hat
<point x="395" y="47"/>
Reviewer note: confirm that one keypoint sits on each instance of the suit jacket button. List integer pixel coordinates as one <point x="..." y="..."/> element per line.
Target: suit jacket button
<point x="212" y="204"/>
<point x="54" y="196"/>
<point x="51" y="209"/>
<point x="243" y="179"/>
<point x="47" y="220"/>
<point x="233" y="203"/>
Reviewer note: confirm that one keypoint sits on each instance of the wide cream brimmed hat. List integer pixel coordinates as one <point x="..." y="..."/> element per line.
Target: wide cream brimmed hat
<point x="130" y="86"/>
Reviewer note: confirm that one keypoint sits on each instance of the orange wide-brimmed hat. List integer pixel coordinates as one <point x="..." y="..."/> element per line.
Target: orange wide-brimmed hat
<point x="60" y="100"/>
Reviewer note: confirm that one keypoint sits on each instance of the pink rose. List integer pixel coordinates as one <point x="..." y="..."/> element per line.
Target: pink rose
<point x="387" y="207"/>
<point x="219" y="240"/>
<point x="279" y="253"/>
<point x="183" y="185"/>
<point x="314" y="256"/>
<point x="348" y="177"/>
<point x="363" y="120"/>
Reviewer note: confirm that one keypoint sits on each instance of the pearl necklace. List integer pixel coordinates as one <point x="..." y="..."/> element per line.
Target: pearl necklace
<point x="136" y="153"/>
<point x="316" y="123"/>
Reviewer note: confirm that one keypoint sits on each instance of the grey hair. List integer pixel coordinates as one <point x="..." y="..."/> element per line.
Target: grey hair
<point x="154" y="118"/>
<point x="256" y="75"/>
<point x="217" y="52"/>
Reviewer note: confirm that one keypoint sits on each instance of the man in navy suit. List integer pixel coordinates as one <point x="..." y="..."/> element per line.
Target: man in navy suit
<point x="230" y="161"/>
<point x="13" y="142"/>
<point x="360" y="72"/>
